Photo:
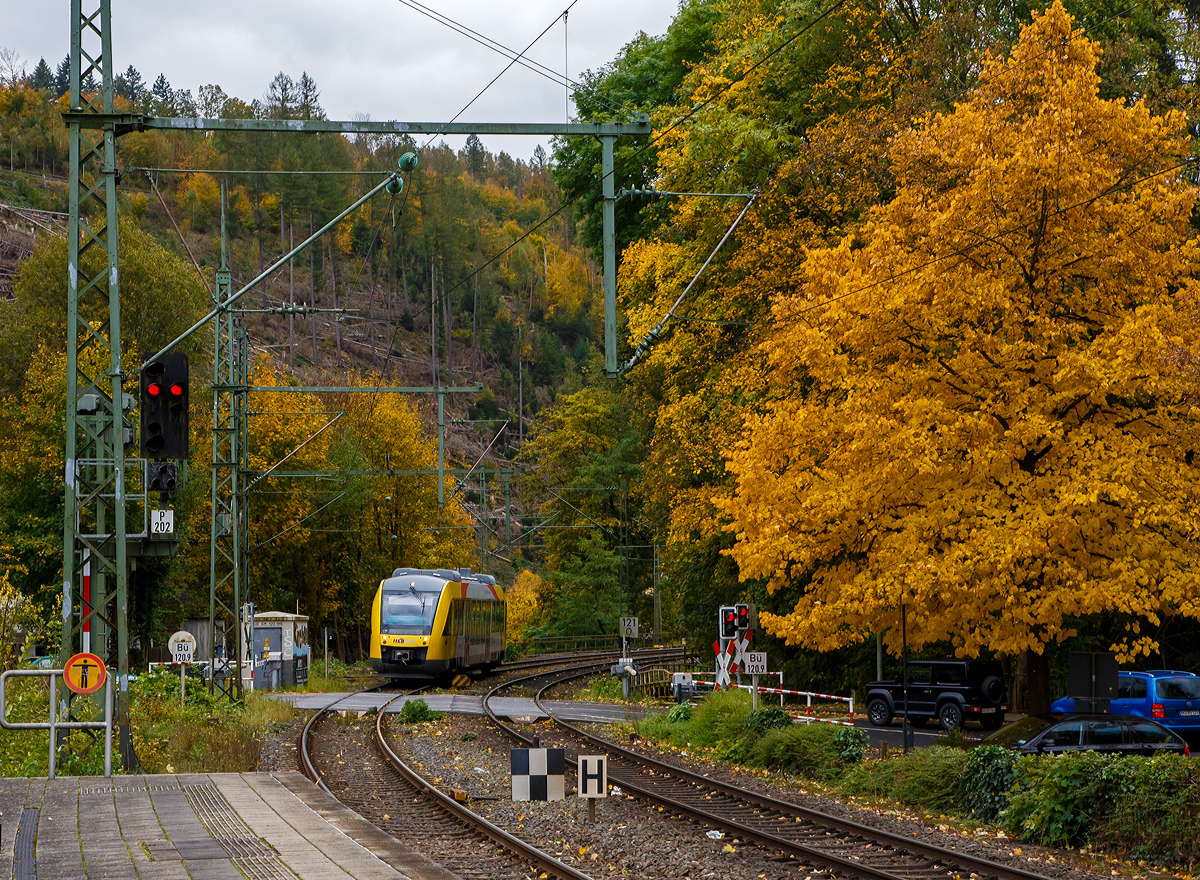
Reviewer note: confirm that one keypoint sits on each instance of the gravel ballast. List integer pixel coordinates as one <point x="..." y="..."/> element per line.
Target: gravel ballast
<point x="631" y="839"/>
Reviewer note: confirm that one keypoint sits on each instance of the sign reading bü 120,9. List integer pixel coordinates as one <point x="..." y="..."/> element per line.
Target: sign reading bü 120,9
<point x="756" y="663"/>
<point x="182" y="646"/>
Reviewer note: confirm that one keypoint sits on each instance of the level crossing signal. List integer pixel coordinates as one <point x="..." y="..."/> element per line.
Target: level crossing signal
<point x="164" y="408"/>
<point x="743" y="617"/>
<point x="729" y="619"/>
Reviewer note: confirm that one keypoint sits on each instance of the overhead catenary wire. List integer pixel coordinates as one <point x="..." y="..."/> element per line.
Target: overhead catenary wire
<point x="493" y="80"/>
<point x="659" y="136"/>
<point x="734" y="81"/>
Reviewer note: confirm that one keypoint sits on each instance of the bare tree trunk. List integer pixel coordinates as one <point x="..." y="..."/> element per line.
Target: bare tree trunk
<point x="312" y="289"/>
<point x="520" y="383"/>
<point x="404" y="281"/>
<point x="371" y="308"/>
<point x="1037" y="680"/>
<point x="292" y="306"/>
<point x="337" y="322"/>
<point x="447" y="323"/>
<point x="433" y="367"/>
<point x="475" y="331"/>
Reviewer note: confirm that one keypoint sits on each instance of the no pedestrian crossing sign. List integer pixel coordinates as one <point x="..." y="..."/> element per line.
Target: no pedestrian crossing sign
<point x="84" y="673"/>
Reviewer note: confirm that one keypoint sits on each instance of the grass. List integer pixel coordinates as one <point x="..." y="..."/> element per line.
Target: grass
<point x="342" y="677"/>
<point x="210" y="734"/>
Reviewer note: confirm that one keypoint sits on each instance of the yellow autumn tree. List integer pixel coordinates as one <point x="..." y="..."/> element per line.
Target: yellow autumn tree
<point x="983" y="408"/>
<point x="523" y="597"/>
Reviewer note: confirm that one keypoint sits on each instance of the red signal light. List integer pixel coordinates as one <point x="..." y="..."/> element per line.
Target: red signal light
<point x="176" y="390"/>
<point x="153" y="390"/>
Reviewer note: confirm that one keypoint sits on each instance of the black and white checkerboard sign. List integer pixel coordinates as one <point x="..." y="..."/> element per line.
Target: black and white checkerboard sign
<point x="538" y="774"/>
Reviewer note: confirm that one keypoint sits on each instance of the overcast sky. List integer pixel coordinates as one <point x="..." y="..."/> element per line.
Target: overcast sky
<point x="377" y="57"/>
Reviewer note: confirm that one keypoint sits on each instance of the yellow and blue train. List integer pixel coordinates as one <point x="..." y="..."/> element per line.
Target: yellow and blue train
<point x="433" y="623"/>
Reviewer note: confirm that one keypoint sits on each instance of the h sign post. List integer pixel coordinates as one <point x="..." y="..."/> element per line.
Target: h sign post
<point x="592" y="776"/>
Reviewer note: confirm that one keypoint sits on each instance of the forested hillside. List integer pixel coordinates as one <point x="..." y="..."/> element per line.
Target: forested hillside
<point x="449" y="284"/>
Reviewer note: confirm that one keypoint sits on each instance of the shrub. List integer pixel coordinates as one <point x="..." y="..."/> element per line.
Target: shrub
<point x="212" y="734"/>
<point x="606" y="688"/>
<point x="680" y="713"/>
<point x="417" y="710"/>
<point x="821" y="751"/>
<point x="930" y="779"/>
<point x="774" y="718"/>
<point x="718" y="718"/>
<point x="1056" y="797"/>
<point x="850" y="743"/>
<point x="987" y="777"/>
<point x="1155" y="809"/>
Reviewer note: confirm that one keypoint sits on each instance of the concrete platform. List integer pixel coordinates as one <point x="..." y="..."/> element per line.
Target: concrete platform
<point x="467" y="704"/>
<point x="213" y="826"/>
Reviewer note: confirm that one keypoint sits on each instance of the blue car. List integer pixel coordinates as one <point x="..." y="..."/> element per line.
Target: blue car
<point x="1169" y="697"/>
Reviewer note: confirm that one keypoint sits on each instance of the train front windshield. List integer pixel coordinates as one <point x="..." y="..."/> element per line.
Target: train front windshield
<point x="407" y="612"/>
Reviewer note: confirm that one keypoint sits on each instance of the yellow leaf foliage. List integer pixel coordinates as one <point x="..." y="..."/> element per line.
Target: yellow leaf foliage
<point x="523" y="598"/>
<point x="983" y="406"/>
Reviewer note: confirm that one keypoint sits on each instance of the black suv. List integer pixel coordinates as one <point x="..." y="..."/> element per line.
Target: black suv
<point x="953" y="691"/>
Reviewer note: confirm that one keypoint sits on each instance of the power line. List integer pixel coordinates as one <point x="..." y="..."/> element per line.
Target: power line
<point x="656" y="138"/>
<point x="133" y="168"/>
<point x="536" y="67"/>
<point x="809" y="166"/>
<point x="492" y="81"/>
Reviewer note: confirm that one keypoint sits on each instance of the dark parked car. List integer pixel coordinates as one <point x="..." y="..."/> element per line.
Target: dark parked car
<point x="1115" y="734"/>
<point x="953" y="691"/>
<point x="1171" y="698"/>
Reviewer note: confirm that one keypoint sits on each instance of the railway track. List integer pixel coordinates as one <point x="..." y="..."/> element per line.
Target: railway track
<point x="365" y="773"/>
<point x="840" y="846"/>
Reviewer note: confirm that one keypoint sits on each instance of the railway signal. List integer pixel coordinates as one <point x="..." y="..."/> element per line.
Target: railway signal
<point x="743" y="617"/>
<point x="164" y="408"/>
<point x="728" y="619"/>
<point x="161" y="476"/>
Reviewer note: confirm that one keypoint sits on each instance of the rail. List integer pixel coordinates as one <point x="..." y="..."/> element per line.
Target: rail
<point x="777" y="823"/>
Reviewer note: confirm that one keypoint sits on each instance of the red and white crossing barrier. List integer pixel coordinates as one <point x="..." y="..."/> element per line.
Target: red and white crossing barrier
<point x="808" y="695"/>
